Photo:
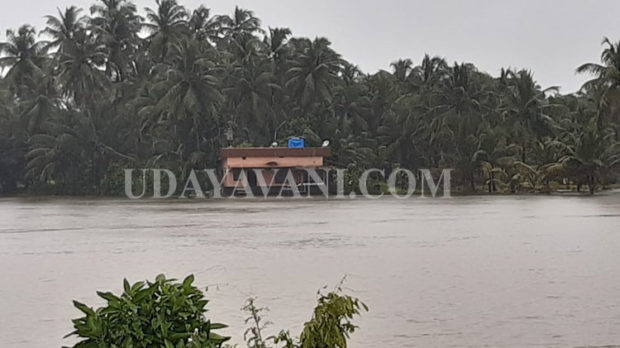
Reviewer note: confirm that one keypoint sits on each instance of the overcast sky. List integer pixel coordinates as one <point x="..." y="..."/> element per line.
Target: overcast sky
<point x="549" y="37"/>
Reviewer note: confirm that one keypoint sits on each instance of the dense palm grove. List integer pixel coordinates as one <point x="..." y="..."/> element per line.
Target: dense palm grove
<point x="92" y="94"/>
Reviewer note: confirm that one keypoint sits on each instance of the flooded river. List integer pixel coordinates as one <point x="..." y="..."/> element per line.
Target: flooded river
<point x="462" y="272"/>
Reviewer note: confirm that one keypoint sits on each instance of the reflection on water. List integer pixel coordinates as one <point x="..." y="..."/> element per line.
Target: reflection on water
<point x="467" y="271"/>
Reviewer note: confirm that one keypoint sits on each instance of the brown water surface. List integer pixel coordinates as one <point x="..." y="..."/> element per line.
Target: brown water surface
<point x="461" y="272"/>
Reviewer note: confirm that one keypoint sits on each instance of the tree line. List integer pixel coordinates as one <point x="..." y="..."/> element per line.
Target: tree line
<point x="100" y="90"/>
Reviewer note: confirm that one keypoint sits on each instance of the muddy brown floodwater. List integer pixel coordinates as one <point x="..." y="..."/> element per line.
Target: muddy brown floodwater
<point x="462" y="272"/>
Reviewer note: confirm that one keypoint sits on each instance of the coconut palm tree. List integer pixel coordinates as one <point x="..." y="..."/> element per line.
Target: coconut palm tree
<point x="589" y="153"/>
<point x="496" y="156"/>
<point x="116" y="25"/>
<point x="525" y="108"/>
<point x="313" y="72"/>
<point x="242" y="23"/>
<point x="203" y="26"/>
<point x="276" y="43"/>
<point x="250" y="93"/>
<point x="12" y="143"/>
<point x="351" y="102"/>
<point x="166" y="26"/>
<point x="40" y="106"/>
<point x="606" y="81"/>
<point x="62" y="29"/>
<point x="401" y="69"/>
<point x="190" y="93"/>
<point x="78" y="69"/>
<point x="24" y="58"/>
<point x="60" y="153"/>
<point x="431" y="71"/>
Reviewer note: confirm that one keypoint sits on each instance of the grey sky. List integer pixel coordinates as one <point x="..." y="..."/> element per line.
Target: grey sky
<point x="549" y="37"/>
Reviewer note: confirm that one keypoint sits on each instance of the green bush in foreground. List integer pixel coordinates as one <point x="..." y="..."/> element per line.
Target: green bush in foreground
<point x="168" y="314"/>
<point x="331" y="324"/>
<point x="329" y="327"/>
<point x="163" y="313"/>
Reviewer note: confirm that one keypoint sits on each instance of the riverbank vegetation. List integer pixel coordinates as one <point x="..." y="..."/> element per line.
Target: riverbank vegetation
<point x="112" y="87"/>
<point x="170" y="314"/>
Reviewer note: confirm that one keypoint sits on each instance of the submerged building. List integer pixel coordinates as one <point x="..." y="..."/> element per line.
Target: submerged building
<point x="274" y="170"/>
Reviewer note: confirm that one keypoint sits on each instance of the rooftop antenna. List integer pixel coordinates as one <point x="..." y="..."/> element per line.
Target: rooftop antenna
<point x="229" y="136"/>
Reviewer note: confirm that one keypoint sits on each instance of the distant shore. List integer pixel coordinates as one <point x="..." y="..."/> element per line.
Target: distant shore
<point x="615" y="189"/>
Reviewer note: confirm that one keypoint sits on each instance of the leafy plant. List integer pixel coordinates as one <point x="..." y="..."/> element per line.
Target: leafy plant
<point x="330" y="326"/>
<point x="254" y="334"/>
<point x="160" y="314"/>
<point x="331" y="323"/>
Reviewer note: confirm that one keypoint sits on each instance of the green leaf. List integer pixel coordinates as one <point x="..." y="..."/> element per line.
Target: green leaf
<point x="83" y="308"/>
<point x="188" y="281"/>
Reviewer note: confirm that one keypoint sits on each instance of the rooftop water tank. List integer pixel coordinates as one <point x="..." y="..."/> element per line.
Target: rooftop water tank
<point x="296" y="143"/>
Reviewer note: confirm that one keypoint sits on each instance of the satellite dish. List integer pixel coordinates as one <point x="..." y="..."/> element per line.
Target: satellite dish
<point x="325" y="143"/>
<point x="274" y="144"/>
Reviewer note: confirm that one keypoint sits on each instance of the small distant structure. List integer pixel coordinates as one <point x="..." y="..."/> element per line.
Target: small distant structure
<point x="277" y="165"/>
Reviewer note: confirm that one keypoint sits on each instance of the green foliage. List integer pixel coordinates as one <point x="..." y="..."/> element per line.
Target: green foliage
<point x="331" y="323"/>
<point x="253" y="336"/>
<point x="330" y="326"/>
<point x="96" y="97"/>
<point x="159" y="314"/>
<point x="170" y="314"/>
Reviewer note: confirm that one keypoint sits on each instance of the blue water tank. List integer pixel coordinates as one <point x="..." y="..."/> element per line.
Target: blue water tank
<point x="296" y="143"/>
